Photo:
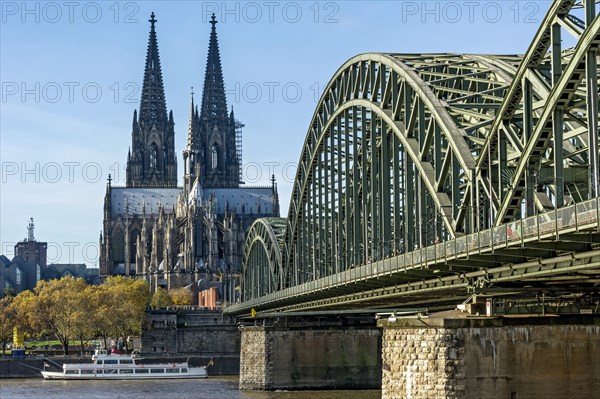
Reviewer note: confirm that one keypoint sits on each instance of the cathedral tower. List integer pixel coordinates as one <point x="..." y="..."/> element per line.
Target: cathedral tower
<point x="212" y="145"/>
<point x="151" y="161"/>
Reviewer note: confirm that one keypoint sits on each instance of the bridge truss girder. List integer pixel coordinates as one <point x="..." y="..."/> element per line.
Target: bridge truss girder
<point x="408" y="150"/>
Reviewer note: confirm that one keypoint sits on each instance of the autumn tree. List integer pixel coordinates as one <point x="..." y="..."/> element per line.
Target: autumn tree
<point x="100" y="318"/>
<point x="161" y="299"/>
<point x="181" y="296"/>
<point x="58" y="308"/>
<point x="7" y="321"/>
<point x="71" y="310"/>
<point x="124" y="305"/>
<point x="83" y="316"/>
<point x="22" y="307"/>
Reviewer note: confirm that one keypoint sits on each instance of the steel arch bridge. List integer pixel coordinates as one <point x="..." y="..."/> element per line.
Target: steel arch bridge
<point x="407" y="151"/>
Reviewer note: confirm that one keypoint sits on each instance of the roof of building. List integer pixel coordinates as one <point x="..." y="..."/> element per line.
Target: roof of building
<point x="77" y="270"/>
<point x="5" y="260"/>
<point x="135" y="199"/>
<point x="244" y="200"/>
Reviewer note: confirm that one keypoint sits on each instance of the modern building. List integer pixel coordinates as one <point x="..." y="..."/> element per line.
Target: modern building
<point x="176" y="236"/>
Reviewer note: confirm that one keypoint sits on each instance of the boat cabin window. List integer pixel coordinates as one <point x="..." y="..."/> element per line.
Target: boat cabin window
<point x="142" y="371"/>
<point x="126" y="371"/>
<point x="184" y="370"/>
<point x="174" y="370"/>
<point x="87" y="371"/>
<point x="126" y="361"/>
<point x="71" y="371"/>
<point x="111" y="361"/>
<point x="99" y="361"/>
<point x="157" y="370"/>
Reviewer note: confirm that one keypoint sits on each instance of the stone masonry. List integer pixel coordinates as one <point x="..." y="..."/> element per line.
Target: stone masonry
<point x="422" y="363"/>
<point x="309" y="356"/>
<point x="256" y="367"/>
<point x="451" y="356"/>
<point x="193" y="332"/>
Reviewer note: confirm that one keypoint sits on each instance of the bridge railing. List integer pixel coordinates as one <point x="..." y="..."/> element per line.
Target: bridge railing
<point x="568" y="219"/>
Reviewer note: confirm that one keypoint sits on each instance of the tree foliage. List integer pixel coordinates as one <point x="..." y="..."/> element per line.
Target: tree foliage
<point x="60" y="308"/>
<point x="71" y="310"/>
<point x="7" y="321"/>
<point x="161" y="299"/>
<point x="123" y="305"/>
<point x="181" y="296"/>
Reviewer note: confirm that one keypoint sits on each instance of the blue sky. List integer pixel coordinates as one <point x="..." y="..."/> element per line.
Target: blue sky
<point x="71" y="75"/>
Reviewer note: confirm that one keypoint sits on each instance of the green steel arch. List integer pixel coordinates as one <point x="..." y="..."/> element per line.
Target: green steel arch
<point x="406" y="150"/>
<point x="262" y="260"/>
<point x="389" y="158"/>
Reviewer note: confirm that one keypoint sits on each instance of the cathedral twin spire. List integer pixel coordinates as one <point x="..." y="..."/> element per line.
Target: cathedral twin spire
<point x="212" y="147"/>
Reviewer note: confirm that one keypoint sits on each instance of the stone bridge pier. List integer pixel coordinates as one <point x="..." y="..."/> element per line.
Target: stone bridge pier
<point x="311" y="352"/>
<point x="450" y="355"/>
<point x="444" y="355"/>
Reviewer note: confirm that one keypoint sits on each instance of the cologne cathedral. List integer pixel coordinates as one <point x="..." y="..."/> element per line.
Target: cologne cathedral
<point x="176" y="236"/>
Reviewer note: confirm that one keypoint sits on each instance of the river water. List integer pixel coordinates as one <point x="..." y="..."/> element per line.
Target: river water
<point x="210" y="388"/>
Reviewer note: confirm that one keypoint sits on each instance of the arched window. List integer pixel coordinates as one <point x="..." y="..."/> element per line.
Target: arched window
<point x="118" y="246"/>
<point x="153" y="156"/>
<point x="133" y="245"/>
<point x="19" y="276"/>
<point x="38" y="273"/>
<point x="214" y="156"/>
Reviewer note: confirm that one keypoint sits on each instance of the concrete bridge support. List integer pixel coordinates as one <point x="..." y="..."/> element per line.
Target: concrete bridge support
<point x="311" y="353"/>
<point x="451" y="356"/>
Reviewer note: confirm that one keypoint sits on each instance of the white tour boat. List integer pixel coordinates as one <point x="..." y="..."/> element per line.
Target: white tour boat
<point x="108" y="366"/>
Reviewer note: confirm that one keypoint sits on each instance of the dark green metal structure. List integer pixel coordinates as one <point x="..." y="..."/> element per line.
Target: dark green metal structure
<point x="410" y="155"/>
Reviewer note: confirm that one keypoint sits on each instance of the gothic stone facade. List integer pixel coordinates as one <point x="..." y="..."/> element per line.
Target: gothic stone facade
<point x="175" y="236"/>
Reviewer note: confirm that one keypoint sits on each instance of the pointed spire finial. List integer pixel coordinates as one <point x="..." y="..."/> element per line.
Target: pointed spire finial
<point x="213" y="21"/>
<point x="191" y="129"/>
<point x="214" y="103"/>
<point x="153" y="106"/>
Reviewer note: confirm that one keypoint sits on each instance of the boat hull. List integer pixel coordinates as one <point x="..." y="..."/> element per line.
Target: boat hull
<point x="197" y="372"/>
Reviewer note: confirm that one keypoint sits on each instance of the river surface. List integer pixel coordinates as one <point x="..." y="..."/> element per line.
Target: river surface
<point x="210" y="388"/>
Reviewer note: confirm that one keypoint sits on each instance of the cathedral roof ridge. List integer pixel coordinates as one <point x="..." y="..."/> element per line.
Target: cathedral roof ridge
<point x="147" y="186"/>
